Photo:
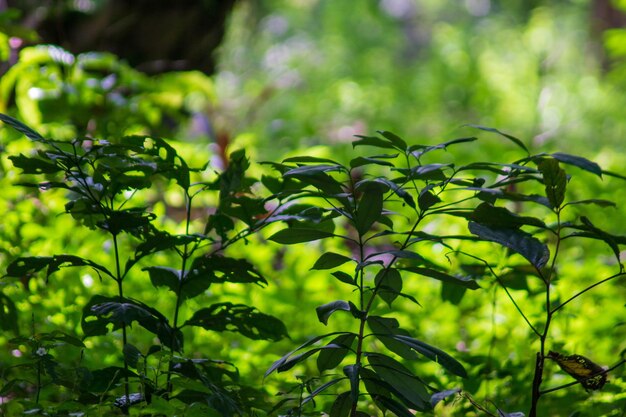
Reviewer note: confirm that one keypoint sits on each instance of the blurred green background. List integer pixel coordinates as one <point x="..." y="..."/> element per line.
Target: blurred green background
<point x="293" y="77"/>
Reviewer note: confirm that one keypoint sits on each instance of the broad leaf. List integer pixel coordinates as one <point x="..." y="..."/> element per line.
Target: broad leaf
<point x="509" y="137"/>
<point x="500" y="217"/>
<point x="334" y="352"/>
<point x="341" y="406"/>
<point x="239" y="318"/>
<point x="434" y="354"/>
<point x="330" y="260"/>
<point x="32" y="264"/>
<point x="389" y="284"/>
<point x="352" y="372"/>
<point x="465" y="282"/>
<point x="442" y="395"/>
<point x="406" y="386"/>
<point x="369" y="210"/>
<point x="529" y="247"/>
<point x="299" y="235"/>
<point x="384" y="328"/>
<point x="325" y="311"/>
<point x="579" y="162"/>
<point x="555" y="180"/>
<point x="220" y="269"/>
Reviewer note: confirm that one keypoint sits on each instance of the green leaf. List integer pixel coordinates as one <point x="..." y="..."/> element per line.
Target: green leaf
<point x="555" y="181"/>
<point x="442" y="395"/>
<point x="369" y="210"/>
<point x="389" y="283"/>
<point x="596" y="201"/>
<point x="32" y="264"/>
<point x="434" y="354"/>
<point x="427" y="199"/>
<point x="529" y="247"/>
<point x="372" y="141"/>
<point x="131" y="354"/>
<point x="384" y="328"/>
<point x="343" y="277"/>
<point x="395" y="407"/>
<point x="500" y="217"/>
<point x="330" y="260"/>
<point x="321" y="389"/>
<point x="360" y="161"/>
<point x="280" y="362"/>
<point x="341" y="406"/>
<point x="162" y="276"/>
<point x="406" y="386"/>
<point x="465" y="282"/>
<point x="334" y="352"/>
<point x="34" y="165"/>
<point x="239" y="318"/>
<point x="8" y="314"/>
<point x="396" y="140"/>
<point x="106" y="379"/>
<point x="219" y="269"/>
<point x="101" y="311"/>
<point x="22" y="128"/>
<point x="352" y="372"/>
<point x="325" y="311"/>
<point x="509" y="137"/>
<point x="579" y="162"/>
<point x="298" y="235"/>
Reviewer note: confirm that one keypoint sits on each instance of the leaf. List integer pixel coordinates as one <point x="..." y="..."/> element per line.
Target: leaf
<point x="500" y="217"/>
<point x="434" y="354"/>
<point x="442" y="395"/>
<point x="596" y="201"/>
<point x="325" y="311"/>
<point x="427" y="199"/>
<point x="369" y="210"/>
<point x="321" y="389"/>
<point x="389" y="284"/>
<point x="555" y="180"/>
<point x="330" y="260"/>
<point x="341" y="406"/>
<point x="239" y="318"/>
<point x="298" y="235"/>
<point x="32" y="264"/>
<point x="8" y="314"/>
<point x="465" y="282"/>
<point x="384" y="328"/>
<point x="219" y="269"/>
<point x="509" y="137"/>
<point x="419" y="150"/>
<point x="343" y="277"/>
<point x="579" y="162"/>
<point x="372" y="141"/>
<point x="22" y="128"/>
<point x="396" y="408"/>
<point x="106" y="379"/>
<point x="131" y="354"/>
<point x="529" y="247"/>
<point x="101" y="311"/>
<point x="309" y="159"/>
<point x="407" y="387"/>
<point x="34" y="165"/>
<point x="352" y="372"/>
<point x="396" y="140"/>
<point x="280" y="362"/>
<point x="334" y="352"/>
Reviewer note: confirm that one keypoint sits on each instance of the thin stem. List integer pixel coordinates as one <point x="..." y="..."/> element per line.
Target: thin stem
<point x="119" y="280"/>
<point x="578" y="294"/>
<point x="184" y="257"/>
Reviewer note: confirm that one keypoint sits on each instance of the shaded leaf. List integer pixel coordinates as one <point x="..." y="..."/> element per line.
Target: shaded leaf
<point x="465" y="282"/>
<point x="500" y="217"/>
<point x="555" y="181"/>
<point x="442" y="395"/>
<point x="389" y="284"/>
<point x="352" y="372"/>
<point x="529" y="247"/>
<point x="239" y="318"/>
<point x="434" y="354"/>
<point x="369" y="210"/>
<point x="325" y="311"/>
<point x="509" y="137"/>
<point x="579" y="162"/>
<point x="334" y="352"/>
<point x="406" y="386"/>
<point x="384" y="328"/>
<point x="341" y="406"/>
<point x="298" y="235"/>
<point x="330" y="260"/>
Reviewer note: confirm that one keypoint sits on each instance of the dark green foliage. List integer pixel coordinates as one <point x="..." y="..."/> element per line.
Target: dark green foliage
<point x="379" y="221"/>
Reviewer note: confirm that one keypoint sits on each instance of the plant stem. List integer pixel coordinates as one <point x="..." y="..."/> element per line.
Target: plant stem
<point x="124" y="335"/>
<point x="185" y="256"/>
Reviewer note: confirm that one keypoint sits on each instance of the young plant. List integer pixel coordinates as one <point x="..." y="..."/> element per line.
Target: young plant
<point x="541" y="247"/>
<point x="106" y="186"/>
<point x="388" y="206"/>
